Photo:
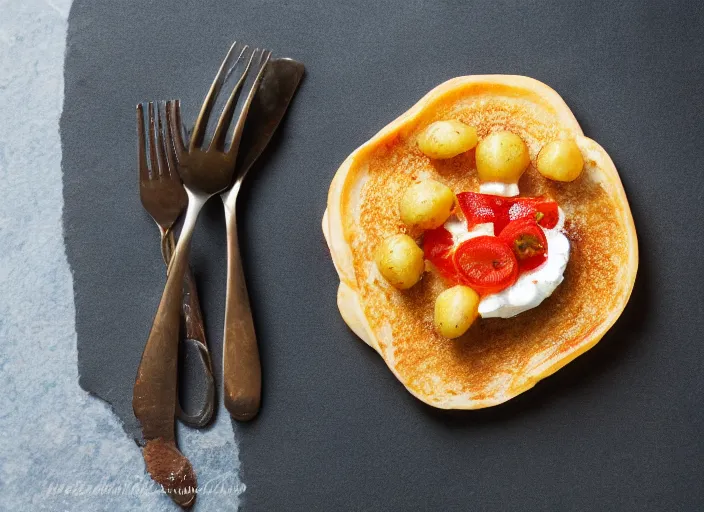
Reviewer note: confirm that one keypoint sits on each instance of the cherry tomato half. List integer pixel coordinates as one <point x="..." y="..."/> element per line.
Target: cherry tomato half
<point x="486" y="264"/>
<point x="527" y="241"/>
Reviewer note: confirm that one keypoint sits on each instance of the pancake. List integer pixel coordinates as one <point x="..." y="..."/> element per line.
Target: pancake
<point x="496" y="359"/>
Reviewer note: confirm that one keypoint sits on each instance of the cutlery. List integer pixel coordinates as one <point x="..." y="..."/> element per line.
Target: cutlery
<point x="205" y="172"/>
<point x="152" y="402"/>
<point x="164" y="198"/>
<point x="241" y="364"/>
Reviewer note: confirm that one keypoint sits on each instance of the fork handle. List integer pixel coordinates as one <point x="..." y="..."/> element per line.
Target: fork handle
<point x="242" y="374"/>
<point x="155" y="388"/>
<point x="192" y="316"/>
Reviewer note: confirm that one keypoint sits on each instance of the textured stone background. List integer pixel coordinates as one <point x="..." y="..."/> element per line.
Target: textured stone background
<point x="60" y="448"/>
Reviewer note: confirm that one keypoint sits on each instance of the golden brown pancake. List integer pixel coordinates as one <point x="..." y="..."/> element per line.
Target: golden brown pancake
<point x="496" y="359"/>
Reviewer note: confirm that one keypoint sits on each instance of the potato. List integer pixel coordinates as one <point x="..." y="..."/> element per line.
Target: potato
<point x="427" y="204"/>
<point x="560" y="160"/>
<point x="455" y="310"/>
<point x="445" y="139"/>
<point x="503" y="157"/>
<point x="400" y="261"/>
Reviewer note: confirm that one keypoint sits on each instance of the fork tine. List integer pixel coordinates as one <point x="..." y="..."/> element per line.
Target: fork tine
<point x="239" y="127"/>
<point x="174" y="126"/>
<point x="154" y="159"/>
<point x="229" y="108"/>
<point x="161" y="145"/>
<point x="167" y="145"/>
<point x="202" y="120"/>
<point x="141" y="145"/>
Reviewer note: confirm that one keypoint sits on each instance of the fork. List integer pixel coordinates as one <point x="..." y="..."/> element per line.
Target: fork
<point x="241" y="374"/>
<point x="154" y="400"/>
<point x="164" y="198"/>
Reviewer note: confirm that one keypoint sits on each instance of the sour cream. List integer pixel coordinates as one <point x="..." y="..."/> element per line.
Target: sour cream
<point x="497" y="188"/>
<point x="532" y="287"/>
<point x="458" y="230"/>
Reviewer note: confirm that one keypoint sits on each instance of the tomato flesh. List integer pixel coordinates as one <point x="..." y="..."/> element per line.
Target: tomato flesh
<point x="486" y="264"/>
<point x="438" y="247"/>
<point x="528" y="242"/>
<point x="481" y="208"/>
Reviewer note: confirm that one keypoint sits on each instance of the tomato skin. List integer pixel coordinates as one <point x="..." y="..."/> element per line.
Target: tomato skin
<point x="482" y="208"/>
<point x="438" y="247"/>
<point x="486" y="264"/>
<point x="479" y="208"/>
<point x="528" y="242"/>
<point x="535" y="208"/>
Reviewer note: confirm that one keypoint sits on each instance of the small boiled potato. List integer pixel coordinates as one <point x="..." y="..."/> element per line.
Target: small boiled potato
<point x="445" y="139"/>
<point x="427" y="204"/>
<point x="502" y="156"/>
<point x="455" y="310"/>
<point x="400" y="261"/>
<point x="560" y="160"/>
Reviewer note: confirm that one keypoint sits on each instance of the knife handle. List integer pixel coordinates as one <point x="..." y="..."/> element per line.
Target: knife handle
<point x="242" y="374"/>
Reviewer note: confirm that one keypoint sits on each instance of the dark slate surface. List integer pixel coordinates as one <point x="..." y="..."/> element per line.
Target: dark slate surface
<point x="618" y="429"/>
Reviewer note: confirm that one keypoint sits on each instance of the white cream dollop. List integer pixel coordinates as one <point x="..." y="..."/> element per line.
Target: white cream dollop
<point x="532" y="287"/>
<point x="458" y="230"/>
<point x="498" y="188"/>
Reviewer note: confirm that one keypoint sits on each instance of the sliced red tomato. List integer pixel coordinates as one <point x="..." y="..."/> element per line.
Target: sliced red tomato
<point x="486" y="264"/>
<point x="543" y="211"/>
<point x="481" y="208"/>
<point x="527" y="241"/>
<point x="438" y="248"/>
